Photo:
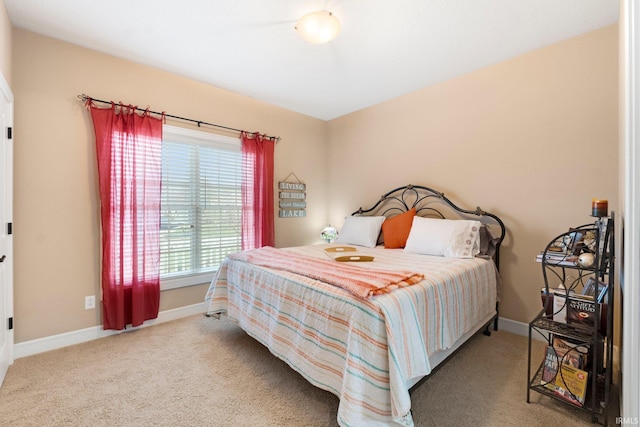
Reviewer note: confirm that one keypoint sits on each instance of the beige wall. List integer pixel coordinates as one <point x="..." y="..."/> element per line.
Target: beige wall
<point x="56" y="212"/>
<point x="532" y="139"/>
<point x="5" y="43"/>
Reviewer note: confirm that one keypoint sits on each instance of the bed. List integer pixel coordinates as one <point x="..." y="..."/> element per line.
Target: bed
<point x="371" y="350"/>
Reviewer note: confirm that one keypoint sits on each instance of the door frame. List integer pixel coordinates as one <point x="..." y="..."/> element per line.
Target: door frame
<point x="630" y="52"/>
<point x="6" y="311"/>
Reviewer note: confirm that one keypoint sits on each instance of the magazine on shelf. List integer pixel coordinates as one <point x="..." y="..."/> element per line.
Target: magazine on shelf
<point x="556" y="357"/>
<point x="576" y="353"/>
<point x="571" y="384"/>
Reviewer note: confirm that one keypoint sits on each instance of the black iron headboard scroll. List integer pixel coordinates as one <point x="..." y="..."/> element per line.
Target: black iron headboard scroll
<point x="431" y="203"/>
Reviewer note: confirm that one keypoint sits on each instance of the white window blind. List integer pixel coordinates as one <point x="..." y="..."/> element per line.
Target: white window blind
<point x="201" y="205"/>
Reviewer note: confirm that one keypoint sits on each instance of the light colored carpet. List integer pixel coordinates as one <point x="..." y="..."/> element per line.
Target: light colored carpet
<point x="199" y="371"/>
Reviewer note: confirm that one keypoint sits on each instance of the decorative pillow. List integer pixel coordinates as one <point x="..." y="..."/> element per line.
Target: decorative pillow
<point x="361" y="230"/>
<point x="444" y="237"/>
<point x="395" y="230"/>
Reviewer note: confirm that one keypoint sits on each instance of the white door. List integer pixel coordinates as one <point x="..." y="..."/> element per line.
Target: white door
<point x="6" y="224"/>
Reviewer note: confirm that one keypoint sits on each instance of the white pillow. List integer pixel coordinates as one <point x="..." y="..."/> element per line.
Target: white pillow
<point x="361" y="230"/>
<point x="444" y="237"/>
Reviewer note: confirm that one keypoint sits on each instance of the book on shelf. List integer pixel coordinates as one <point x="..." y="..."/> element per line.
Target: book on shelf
<point x="550" y="368"/>
<point x="571" y="384"/>
<point x="560" y="307"/>
<point x="554" y="255"/>
<point x="581" y="310"/>
<point x="558" y="258"/>
<point x="555" y="304"/>
<point x="566" y="306"/>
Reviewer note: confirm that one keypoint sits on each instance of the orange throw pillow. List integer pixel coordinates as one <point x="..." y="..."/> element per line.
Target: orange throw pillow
<point x="395" y="230"/>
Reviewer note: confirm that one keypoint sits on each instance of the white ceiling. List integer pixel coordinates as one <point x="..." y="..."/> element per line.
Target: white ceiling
<point x="386" y="47"/>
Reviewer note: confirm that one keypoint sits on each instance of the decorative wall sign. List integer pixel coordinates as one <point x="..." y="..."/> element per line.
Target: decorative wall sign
<point x="292" y="205"/>
<point x="292" y="195"/>
<point x="292" y="213"/>
<point x="292" y="198"/>
<point x="296" y="186"/>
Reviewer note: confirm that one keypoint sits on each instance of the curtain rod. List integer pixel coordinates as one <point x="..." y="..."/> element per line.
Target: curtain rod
<point x="84" y="98"/>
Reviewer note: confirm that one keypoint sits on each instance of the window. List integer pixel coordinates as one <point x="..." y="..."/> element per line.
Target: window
<point x="201" y="205"/>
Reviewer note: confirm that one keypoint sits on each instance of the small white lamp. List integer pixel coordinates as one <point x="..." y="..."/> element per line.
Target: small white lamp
<point x="329" y="233"/>
<point x="318" y="27"/>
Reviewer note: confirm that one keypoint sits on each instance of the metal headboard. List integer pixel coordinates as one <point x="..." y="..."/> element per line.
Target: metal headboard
<point x="431" y="203"/>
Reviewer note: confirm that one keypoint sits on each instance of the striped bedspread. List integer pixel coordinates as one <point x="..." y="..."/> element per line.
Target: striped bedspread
<point x="362" y="282"/>
<point x="365" y="351"/>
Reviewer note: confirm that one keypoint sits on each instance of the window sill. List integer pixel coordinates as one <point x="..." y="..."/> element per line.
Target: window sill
<point x="184" y="281"/>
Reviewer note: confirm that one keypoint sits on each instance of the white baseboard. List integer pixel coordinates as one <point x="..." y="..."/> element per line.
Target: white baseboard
<point x="513" y="326"/>
<point x="517" y="328"/>
<point x="40" y="345"/>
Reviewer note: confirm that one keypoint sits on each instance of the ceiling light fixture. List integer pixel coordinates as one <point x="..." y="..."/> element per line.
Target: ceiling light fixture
<point x="318" y="27"/>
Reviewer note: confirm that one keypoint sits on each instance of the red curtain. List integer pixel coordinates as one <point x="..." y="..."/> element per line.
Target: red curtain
<point x="128" y="147"/>
<point x="257" y="191"/>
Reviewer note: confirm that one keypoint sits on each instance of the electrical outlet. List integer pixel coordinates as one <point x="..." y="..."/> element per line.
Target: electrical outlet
<point x="90" y="302"/>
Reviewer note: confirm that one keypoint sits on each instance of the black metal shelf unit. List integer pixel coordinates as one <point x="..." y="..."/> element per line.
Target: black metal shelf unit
<point x="576" y="321"/>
